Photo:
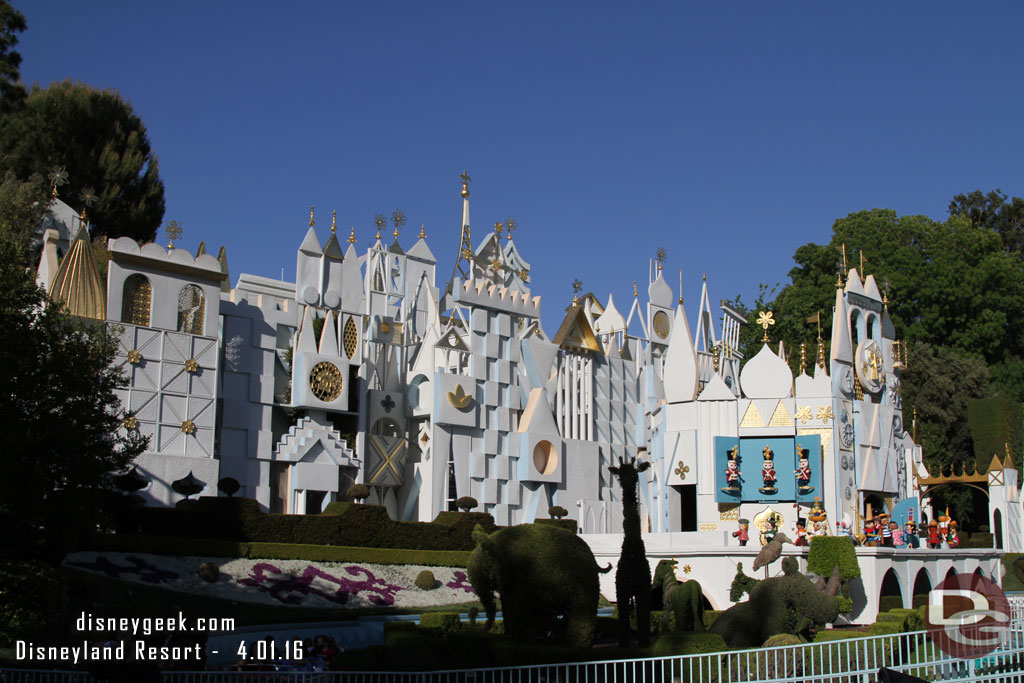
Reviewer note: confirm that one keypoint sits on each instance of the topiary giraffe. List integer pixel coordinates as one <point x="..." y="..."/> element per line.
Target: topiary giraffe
<point x="633" y="574"/>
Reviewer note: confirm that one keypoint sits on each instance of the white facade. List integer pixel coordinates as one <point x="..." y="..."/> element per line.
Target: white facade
<point x="370" y="369"/>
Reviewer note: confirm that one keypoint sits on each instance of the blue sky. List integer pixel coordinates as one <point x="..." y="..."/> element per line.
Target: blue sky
<point x="728" y="133"/>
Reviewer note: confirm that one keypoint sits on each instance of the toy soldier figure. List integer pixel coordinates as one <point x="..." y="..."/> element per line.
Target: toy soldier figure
<point x="768" y="472"/>
<point x="803" y="474"/>
<point x="732" y="473"/>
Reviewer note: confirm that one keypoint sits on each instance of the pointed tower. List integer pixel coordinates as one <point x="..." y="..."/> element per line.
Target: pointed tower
<point x="307" y="267"/>
<point x="331" y="267"/>
<point x="77" y="282"/>
<point x="463" y="262"/>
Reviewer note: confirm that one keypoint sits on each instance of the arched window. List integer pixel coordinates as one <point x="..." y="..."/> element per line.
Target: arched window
<point x="136" y="298"/>
<point x="191" y="310"/>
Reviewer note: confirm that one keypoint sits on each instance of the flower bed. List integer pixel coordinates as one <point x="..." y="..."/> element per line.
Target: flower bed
<point x="285" y="582"/>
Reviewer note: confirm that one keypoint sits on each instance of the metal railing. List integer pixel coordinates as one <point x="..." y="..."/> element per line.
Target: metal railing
<point x="852" y="660"/>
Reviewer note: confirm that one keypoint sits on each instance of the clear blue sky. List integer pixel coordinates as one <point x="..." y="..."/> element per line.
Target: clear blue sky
<point x="729" y="133"/>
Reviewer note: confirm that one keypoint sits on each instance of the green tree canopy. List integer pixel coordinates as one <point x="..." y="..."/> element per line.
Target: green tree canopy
<point x="12" y="92"/>
<point x="949" y="283"/>
<point x="96" y="135"/>
<point x="60" y="441"/>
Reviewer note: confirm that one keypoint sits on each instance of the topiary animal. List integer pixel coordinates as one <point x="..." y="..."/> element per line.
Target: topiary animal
<point x="633" y="575"/>
<point x="541" y="572"/>
<point x="783" y="604"/>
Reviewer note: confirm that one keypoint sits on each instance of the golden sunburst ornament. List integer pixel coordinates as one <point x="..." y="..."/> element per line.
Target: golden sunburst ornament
<point x="687" y="569"/>
<point x="130" y="422"/>
<point x="765" y="319"/>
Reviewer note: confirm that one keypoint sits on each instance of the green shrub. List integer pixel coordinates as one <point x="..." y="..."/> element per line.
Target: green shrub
<point x="425" y="580"/>
<point x="826" y="553"/>
<point x="888" y="602"/>
<point x="557" y="512"/>
<point x="32" y="597"/>
<point x="837" y="634"/>
<point x="445" y="622"/>
<point x="920" y="600"/>
<point x="417" y="651"/>
<point x="881" y="628"/>
<point x="683" y="643"/>
<point x="913" y="620"/>
<point x="1013" y="572"/>
<point x="240" y="519"/>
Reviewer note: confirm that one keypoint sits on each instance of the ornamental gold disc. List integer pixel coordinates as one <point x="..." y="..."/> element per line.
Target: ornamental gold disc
<point x="325" y="381"/>
<point x="661" y="324"/>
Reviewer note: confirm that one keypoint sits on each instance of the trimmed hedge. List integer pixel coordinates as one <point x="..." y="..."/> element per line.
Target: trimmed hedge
<point x="160" y="545"/>
<point x="826" y="553"/>
<point x="889" y="602"/>
<point x="343" y="524"/>
<point x="444" y="622"/>
<point x="1013" y="572"/>
<point x="683" y="643"/>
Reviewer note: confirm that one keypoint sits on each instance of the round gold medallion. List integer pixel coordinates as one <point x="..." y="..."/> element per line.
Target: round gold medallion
<point x="661" y="324"/>
<point x="325" y="381"/>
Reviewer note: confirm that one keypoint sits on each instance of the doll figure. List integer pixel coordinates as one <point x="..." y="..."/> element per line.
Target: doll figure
<point x="844" y="528"/>
<point x="742" y="534"/>
<point x="884" y="532"/>
<point x="953" y="538"/>
<point x="897" y="535"/>
<point x="933" y="534"/>
<point x="910" y="535"/>
<point x="801" y="533"/>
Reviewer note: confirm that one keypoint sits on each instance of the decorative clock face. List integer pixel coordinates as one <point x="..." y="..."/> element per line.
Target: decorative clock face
<point x="869" y="366"/>
<point x="325" y="381"/>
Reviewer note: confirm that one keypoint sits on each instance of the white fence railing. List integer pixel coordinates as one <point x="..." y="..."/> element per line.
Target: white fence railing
<point x="853" y="660"/>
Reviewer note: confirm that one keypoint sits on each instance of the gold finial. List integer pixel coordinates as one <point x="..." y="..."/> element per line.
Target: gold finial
<point x="510" y="227"/>
<point x="821" y="353"/>
<point x="499" y="227"/>
<point x="423" y="231"/>
<point x="380" y="222"/>
<point x="716" y="353"/>
<point x="334" y="221"/>
<point x="172" y="229"/>
<point x="577" y="287"/>
<point x="58" y="176"/>
<point x="704" y="277"/>
<point x="352" y="235"/>
<point x="465" y="184"/>
<point x="915" y="425"/>
<point x="846" y="269"/>
<point x="398" y="219"/>
<point x="680" y="286"/>
<point x="764" y="319"/>
<point x="803" y="357"/>
<point x="81" y="217"/>
<point x="661" y="254"/>
<point x="862" y="263"/>
<point x="635" y="293"/>
<point x="311" y="221"/>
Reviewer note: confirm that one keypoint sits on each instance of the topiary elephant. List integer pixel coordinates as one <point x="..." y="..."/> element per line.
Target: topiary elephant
<point x="540" y="572"/>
